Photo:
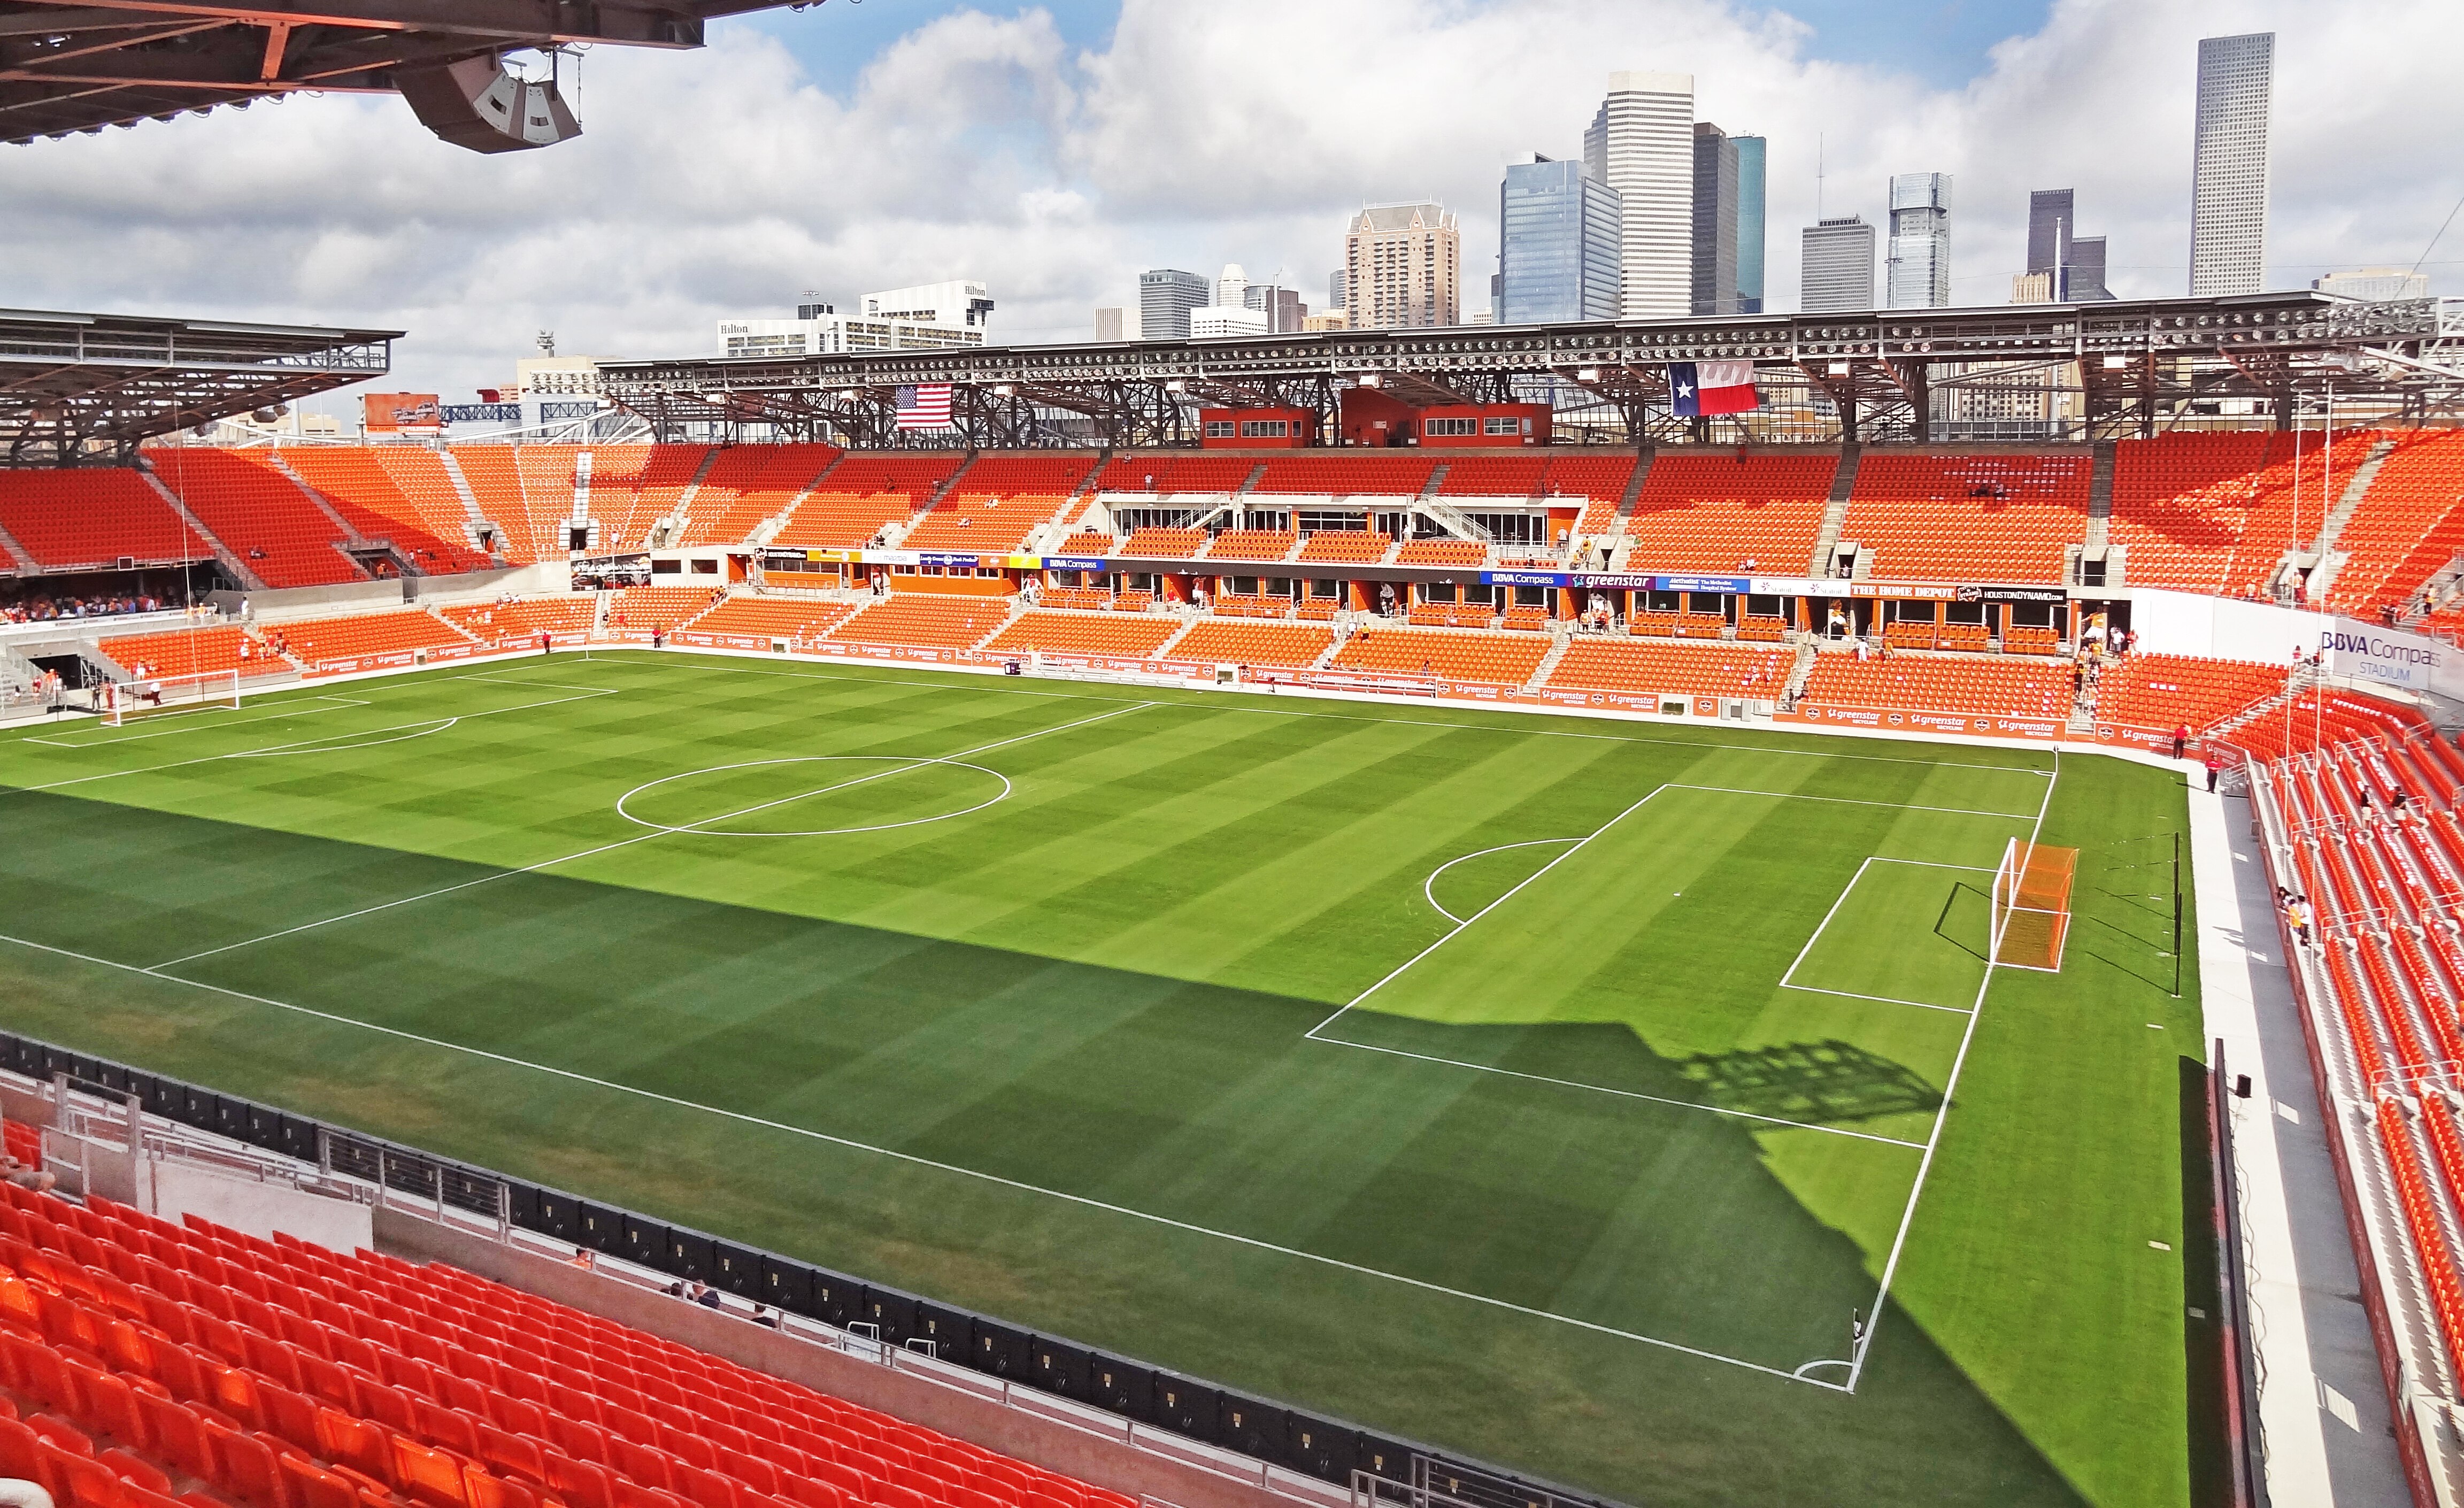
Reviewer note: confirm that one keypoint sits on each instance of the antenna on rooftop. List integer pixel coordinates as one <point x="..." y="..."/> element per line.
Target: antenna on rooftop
<point x="1817" y="174"/>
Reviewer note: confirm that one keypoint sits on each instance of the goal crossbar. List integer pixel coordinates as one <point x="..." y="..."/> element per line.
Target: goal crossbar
<point x="2032" y="904"/>
<point x="121" y="702"/>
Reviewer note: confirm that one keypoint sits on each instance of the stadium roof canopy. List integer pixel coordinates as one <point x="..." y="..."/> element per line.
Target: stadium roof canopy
<point x="82" y="66"/>
<point x="1890" y="375"/>
<point x="82" y="387"/>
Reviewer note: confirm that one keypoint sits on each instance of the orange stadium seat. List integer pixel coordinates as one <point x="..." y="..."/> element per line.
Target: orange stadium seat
<point x="1977" y="687"/>
<point x="987" y="525"/>
<point x="2408" y="526"/>
<point x="1495" y="476"/>
<point x="1176" y="544"/>
<point x="370" y="487"/>
<point x="641" y="609"/>
<point x="517" y="622"/>
<point x="325" y="641"/>
<point x="1382" y="474"/>
<point x="1593" y="664"/>
<point x="1087" y="542"/>
<point x="2214" y="512"/>
<point x="1602" y="479"/>
<point x="1497" y="659"/>
<point x="917" y="475"/>
<point x="191" y="652"/>
<point x="2163" y="691"/>
<point x="512" y="488"/>
<point x="1074" y="634"/>
<point x="1167" y="473"/>
<point x="1347" y="547"/>
<point x="1043" y="474"/>
<point x="1086" y="599"/>
<point x="90" y="516"/>
<point x="266" y="519"/>
<point x="926" y="621"/>
<point x="774" y="618"/>
<point x="749" y="485"/>
<point x="1441" y="552"/>
<point x="1985" y="518"/>
<point x="830" y="519"/>
<point x="1252" y="544"/>
<point x="1277" y="646"/>
<point x="1715" y="513"/>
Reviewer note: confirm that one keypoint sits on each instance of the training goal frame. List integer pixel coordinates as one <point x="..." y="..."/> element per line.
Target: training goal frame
<point x="2032" y="905"/>
<point x="121" y="703"/>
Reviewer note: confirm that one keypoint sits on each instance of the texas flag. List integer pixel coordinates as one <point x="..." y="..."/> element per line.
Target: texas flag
<point x="1701" y="387"/>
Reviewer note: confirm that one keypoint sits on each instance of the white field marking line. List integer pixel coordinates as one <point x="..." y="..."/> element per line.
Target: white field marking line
<point x="336" y="745"/>
<point x="529" y="680"/>
<point x="1850" y="801"/>
<point x="207" y="758"/>
<point x="905" y="762"/>
<point x="1395" y="972"/>
<point x="232" y="722"/>
<point x="1788" y="976"/>
<point x="1081" y="1200"/>
<point x="1349" y="717"/>
<point x="1886" y="1000"/>
<point x="1950" y="1087"/>
<point x="1622" y="1094"/>
<point x="1428" y="886"/>
<point x="604" y="848"/>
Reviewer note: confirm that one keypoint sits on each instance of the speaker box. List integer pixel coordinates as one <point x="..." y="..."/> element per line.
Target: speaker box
<point x="478" y="104"/>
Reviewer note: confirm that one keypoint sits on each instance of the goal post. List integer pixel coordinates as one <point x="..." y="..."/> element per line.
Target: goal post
<point x="126" y="702"/>
<point x="2032" y="904"/>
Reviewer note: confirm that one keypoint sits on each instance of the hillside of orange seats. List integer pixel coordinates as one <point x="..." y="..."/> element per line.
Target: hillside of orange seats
<point x="1152" y="544"/>
<point x="1175" y="473"/>
<point x="634" y="487"/>
<point x="1087" y="542"/>
<point x="512" y="622"/>
<point x="1277" y="646"/>
<point x="260" y="513"/>
<point x="1976" y="687"/>
<point x="1497" y="659"/>
<point x="2163" y="691"/>
<point x="659" y="606"/>
<point x="1252" y="544"/>
<point x="92" y="516"/>
<point x="917" y="475"/>
<point x="321" y="641"/>
<point x="511" y="485"/>
<point x="1624" y="665"/>
<point x="1046" y="474"/>
<point x="1382" y="474"/>
<point x="282" y="1375"/>
<point x="750" y="485"/>
<point x="1129" y="637"/>
<point x="987" y="525"/>
<point x="2215" y="512"/>
<point x="842" y="521"/>
<point x="1602" y="479"/>
<point x="371" y="487"/>
<point x="1494" y="477"/>
<point x="1441" y="552"/>
<point x="1714" y="513"/>
<point x="1347" y="547"/>
<point x="2408" y="526"/>
<point x="1990" y="518"/>
<point x="926" y="620"/>
<point x="774" y="618"/>
<point x="190" y="651"/>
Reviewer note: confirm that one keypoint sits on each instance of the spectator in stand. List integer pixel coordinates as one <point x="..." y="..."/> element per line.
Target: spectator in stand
<point x="762" y="1315"/>
<point x="26" y="1175"/>
<point x="2297" y="915"/>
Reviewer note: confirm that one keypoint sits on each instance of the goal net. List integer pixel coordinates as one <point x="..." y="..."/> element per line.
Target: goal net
<point x="124" y="701"/>
<point x="2032" y="904"/>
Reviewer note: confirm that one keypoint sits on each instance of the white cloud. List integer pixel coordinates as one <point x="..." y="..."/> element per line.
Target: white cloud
<point x="725" y="182"/>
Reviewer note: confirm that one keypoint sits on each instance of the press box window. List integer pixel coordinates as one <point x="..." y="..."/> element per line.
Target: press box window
<point x="1450" y="427"/>
<point x="1265" y="428"/>
<point x="1221" y="429"/>
<point x="1508" y="425"/>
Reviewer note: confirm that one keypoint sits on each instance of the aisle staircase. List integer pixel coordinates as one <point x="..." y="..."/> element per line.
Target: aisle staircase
<point x="2356" y="487"/>
<point x="1835" y="512"/>
<point x="475" y="525"/>
<point x="1548" y="665"/>
<point x="223" y="555"/>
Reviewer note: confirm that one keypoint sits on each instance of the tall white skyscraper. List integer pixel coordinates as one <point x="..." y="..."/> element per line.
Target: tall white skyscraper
<point x="1919" y="266"/>
<point x="2229" y="164"/>
<point x="1837" y="266"/>
<point x="1641" y="144"/>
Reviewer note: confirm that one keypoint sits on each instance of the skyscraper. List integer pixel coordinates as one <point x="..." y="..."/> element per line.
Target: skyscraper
<point x="1839" y="266"/>
<point x="1752" y="161"/>
<point x="1559" y="244"/>
<point x="1713" y="273"/>
<point x="2087" y="270"/>
<point x="2053" y="221"/>
<point x="1402" y="267"/>
<point x="1918" y="275"/>
<point x="2229" y="164"/>
<point x="1641" y="144"/>
<point x="1165" y="297"/>
<point x="1338" y="296"/>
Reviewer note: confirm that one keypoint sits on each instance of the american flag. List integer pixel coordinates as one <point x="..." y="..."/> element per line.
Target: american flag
<point x="924" y="405"/>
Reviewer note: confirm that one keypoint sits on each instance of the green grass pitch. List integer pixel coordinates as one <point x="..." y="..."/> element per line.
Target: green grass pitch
<point x="1551" y="1090"/>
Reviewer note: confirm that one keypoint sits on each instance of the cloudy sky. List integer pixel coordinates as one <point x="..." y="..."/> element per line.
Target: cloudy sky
<point x="1054" y="150"/>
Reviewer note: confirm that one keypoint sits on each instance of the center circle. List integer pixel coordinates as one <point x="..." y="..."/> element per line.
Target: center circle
<point x="902" y="789"/>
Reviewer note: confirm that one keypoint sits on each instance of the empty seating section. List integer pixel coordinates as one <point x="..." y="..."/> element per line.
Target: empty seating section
<point x="1678" y="625"/>
<point x="1252" y="544"/>
<point x="920" y="618"/>
<point x="275" y="529"/>
<point x="1603" y="480"/>
<point x="92" y="516"/>
<point x="774" y="617"/>
<point x="1151" y="543"/>
<point x="1044" y="474"/>
<point x="1347" y="547"/>
<point x="325" y="641"/>
<point x="985" y="525"/>
<point x="643" y="607"/>
<point x="2408" y="526"/>
<point x="1452" y="615"/>
<point x="1251" y="604"/>
<point x="190" y="651"/>
<point x="1624" y="665"/>
<point x="2165" y="691"/>
<point x="1277" y="646"/>
<point x="749" y="485"/>
<point x="1441" y="552"/>
<point x="2018" y="640"/>
<point x="917" y="475"/>
<point x="1495" y="659"/>
<point x="1175" y="474"/>
<point x="1977" y="687"/>
<point x="282" y="1375"/>
<point x="530" y="522"/>
<point x="1715" y="513"/>
<point x="1990" y="518"/>
<point x="370" y="487"/>
<point x="1494" y="477"/>
<point x="2215" y="512"/>
<point x="1086" y="599"/>
<point x="1075" y="633"/>
<point x="830" y="519"/>
<point x="632" y="487"/>
<point x="1384" y="475"/>
<point x="517" y="622"/>
<point x="1087" y="542"/>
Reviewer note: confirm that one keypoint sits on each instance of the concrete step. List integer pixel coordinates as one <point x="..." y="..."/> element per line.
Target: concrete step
<point x="2347" y="503"/>
<point x="1835" y="512"/>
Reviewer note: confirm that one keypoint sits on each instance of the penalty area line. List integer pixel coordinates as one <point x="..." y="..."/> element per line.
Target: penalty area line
<point x="1253" y="1243"/>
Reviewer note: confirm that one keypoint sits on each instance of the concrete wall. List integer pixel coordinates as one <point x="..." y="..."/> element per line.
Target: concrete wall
<point x="173" y="1189"/>
<point x="1105" y="1462"/>
<point x="376" y="596"/>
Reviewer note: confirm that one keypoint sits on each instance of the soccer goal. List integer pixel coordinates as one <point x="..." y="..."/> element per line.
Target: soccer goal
<point x="125" y="701"/>
<point x="2032" y="905"/>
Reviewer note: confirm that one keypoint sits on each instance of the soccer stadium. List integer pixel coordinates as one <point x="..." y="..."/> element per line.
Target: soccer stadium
<point x="1409" y="917"/>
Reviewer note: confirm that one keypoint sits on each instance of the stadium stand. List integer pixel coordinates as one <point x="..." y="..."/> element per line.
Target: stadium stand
<point x="1251" y="545"/>
<point x="283" y="1375"/>
<point x="1442" y="552"/>
<point x="1601" y="480"/>
<point x="1074" y="634"/>
<point x="1715" y="513"/>
<point x="262" y="515"/>
<point x="1978" y="687"/>
<point x="750" y="485"/>
<point x="1085" y="599"/>
<point x="924" y="620"/>
<point x="90" y="516"/>
<point x="1087" y="542"/>
<point x="1347" y="547"/>
<point x="1277" y="646"/>
<point x="1495" y="476"/>
<point x="328" y="641"/>
<point x="1152" y="544"/>
<point x="987" y="525"/>
<point x="2215" y="512"/>
<point x="1495" y="659"/>
<point x="915" y="474"/>
<point x="643" y="607"/>
<point x="1380" y="474"/>
<point x="499" y="476"/>
<point x="190" y="651"/>
<point x="2163" y="691"/>
<point x="1175" y="474"/>
<point x="1985" y="518"/>
<point x="370" y="488"/>
<point x="842" y="521"/>
<point x="2409" y="527"/>
<point x="1623" y="665"/>
<point x="774" y="617"/>
<point x="524" y="621"/>
<point x="1042" y="473"/>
